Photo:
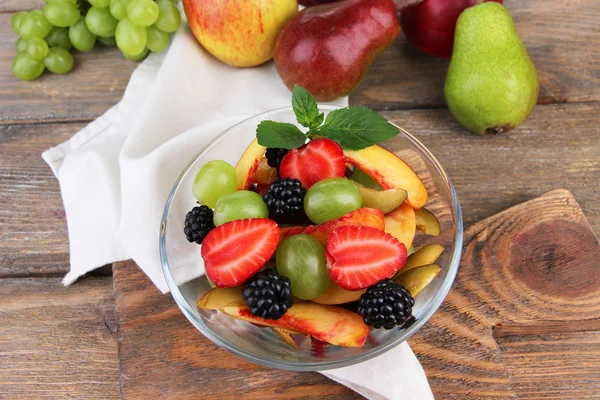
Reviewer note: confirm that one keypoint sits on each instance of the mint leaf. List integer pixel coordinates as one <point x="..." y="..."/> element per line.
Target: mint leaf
<point x="305" y="108"/>
<point x="279" y="134"/>
<point x="357" y="128"/>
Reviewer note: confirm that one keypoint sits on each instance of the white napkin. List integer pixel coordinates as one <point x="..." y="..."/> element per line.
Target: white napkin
<point x="116" y="173"/>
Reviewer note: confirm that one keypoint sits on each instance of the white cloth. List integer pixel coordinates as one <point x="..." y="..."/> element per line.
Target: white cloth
<point x="116" y="173"/>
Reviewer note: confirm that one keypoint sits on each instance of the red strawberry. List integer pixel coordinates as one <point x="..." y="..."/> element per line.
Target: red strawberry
<point x="236" y="250"/>
<point x="360" y="256"/>
<point x="318" y="160"/>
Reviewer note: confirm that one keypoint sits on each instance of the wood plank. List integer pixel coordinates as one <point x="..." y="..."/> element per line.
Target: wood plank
<point x="561" y="37"/>
<point x="57" y="342"/>
<point x="556" y="147"/>
<point x="96" y="83"/>
<point x="11" y="6"/>
<point x="33" y="231"/>
<point x="161" y="355"/>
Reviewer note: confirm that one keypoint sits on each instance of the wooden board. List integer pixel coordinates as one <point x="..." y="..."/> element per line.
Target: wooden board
<point x="532" y="269"/>
<point x="57" y="343"/>
<point x="562" y="40"/>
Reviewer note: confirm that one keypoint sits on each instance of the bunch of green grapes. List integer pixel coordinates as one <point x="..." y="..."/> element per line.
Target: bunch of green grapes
<point x="47" y="36"/>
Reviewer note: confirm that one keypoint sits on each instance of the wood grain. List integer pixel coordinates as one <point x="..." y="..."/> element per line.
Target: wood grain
<point x="11" y="6"/>
<point x="33" y="231"/>
<point x="55" y="342"/>
<point x="161" y="355"/>
<point x="561" y="37"/>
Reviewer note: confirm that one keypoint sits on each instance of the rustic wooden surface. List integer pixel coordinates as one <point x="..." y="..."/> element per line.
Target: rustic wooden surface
<point x="558" y="146"/>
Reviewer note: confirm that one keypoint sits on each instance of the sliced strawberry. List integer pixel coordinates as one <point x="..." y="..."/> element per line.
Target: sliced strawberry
<point x="360" y="256"/>
<point x="236" y="250"/>
<point x="318" y="160"/>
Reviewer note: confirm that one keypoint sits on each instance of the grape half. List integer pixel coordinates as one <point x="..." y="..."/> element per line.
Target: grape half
<point x="330" y="199"/>
<point x="239" y="205"/>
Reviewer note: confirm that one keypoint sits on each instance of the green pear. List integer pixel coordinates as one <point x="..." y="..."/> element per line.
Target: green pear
<point x="492" y="85"/>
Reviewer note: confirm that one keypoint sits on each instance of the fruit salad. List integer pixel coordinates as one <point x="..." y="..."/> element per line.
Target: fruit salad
<point x="311" y="233"/>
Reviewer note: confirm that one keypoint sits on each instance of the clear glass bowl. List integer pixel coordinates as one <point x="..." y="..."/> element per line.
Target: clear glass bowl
<point x="182" y="263"/>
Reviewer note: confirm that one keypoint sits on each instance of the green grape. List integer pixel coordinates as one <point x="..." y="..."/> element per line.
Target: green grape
<point x="142" y="12"/>
<point x="118" y="8"/>
<point x="157" y="39"/>
<point x="101" y="22"/>
<point x="214" y="180"/>
<point x="302" y="259"/>
<point x="108" y="41"/>
<point x="37" y="48"/>
<point x="34" y="24"/>
<point x="239" y="205"/>
<point x="59" y="37"/>
<point x="58" y="60"/>
<point x="131" y="38"/>
<point x="62" y="13"/>
<point x="26" y="68"/>
<point x="169" y="18"/>
<point x="330" y="199"/>
<point x="15" y="21"/>
<point x="99" y="3"/>
<point x="137" y="57"/>
<point x="81" y="37"/>
<point x="21" y="45"/>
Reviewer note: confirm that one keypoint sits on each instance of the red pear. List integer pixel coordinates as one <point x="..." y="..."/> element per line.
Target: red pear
<point x="328" y="48"/>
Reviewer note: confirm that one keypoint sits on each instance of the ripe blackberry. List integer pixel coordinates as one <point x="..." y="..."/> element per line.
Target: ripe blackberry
<point x="385" y="305"/>
<point x="274" y="156"/>
<point x="268" y="294"/>
<point x="285" y="198"/>
<point x="198" y="223"/>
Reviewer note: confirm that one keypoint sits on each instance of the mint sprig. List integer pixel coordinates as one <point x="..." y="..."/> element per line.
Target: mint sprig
<point x="353" y="128"/>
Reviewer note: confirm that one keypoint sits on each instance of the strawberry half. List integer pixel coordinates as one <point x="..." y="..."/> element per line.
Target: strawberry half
<point x="360" y="256"/>
<point x="318" y="160"/>
<point x="236" y="250"/>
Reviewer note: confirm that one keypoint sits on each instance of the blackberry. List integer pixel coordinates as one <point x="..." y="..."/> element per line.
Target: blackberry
<point x="268" y="294"/>
<point x="385" y="305"/>
<point x="198" y="223"/>
<point x="274" y="156"/>
<point x="285" y="198"/>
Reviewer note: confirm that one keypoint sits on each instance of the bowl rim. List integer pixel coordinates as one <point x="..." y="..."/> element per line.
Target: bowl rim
<point x="429" y="309"/>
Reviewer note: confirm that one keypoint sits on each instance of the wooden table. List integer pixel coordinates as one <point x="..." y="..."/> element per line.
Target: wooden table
<point x="57" y="342"/>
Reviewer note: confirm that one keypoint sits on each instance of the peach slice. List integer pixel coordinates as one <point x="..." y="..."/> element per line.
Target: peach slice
<point x="418" y="278"/>
<point x="427" y="222"/>
<point x="425" y="255"/>
<point x="265" y="175"/>
<point x="401" y="224"/>
<point x="222" y="297"/>
<point x="248" y="164"/>
<point x="329" y="324"/>
<point x="383" y="200"/>
<point x="370" y="217"/>
<point x="389" y="171"/>
<point x="337" y="295"/>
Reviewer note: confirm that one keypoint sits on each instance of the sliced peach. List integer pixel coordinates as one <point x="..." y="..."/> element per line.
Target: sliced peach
<point x="265" y="175"/>
<point x="389" y="171"/>
<point x="418" y="278"/>
<point x="329" y="324"/>
<point x="425" y="255"/>
<point x="370" y="217"/>
<point x="427" y="222"/>
<point x="248" y="164"/>
<point x="383" y="200"/>
<point x="337" y="295"/>
<point x="222" y="297"/>
<point x="401" y="224"/>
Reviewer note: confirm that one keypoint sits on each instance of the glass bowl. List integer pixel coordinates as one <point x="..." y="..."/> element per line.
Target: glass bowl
<point x="184" y="271"/>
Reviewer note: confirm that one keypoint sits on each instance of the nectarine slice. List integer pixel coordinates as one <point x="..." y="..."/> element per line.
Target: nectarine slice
<point x="248" y="164"/>
<point x="418" y="278"/>
<point x="222" y="297"/>
<point x="425" y="255"/>
<point x="389" y="171"/>
<point x="401" y="224"/>
<point x="427" y="222"/>
<point x="337" y="295"/>
<point x="383" y="200"/>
